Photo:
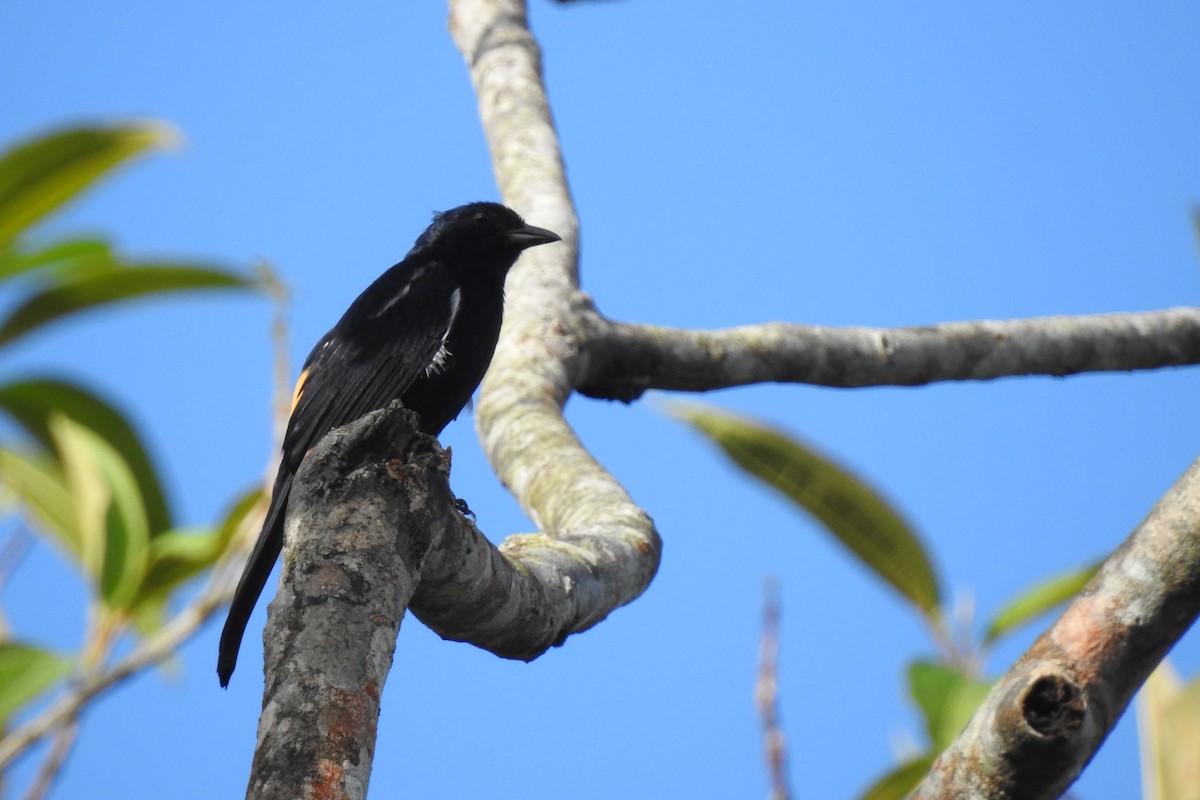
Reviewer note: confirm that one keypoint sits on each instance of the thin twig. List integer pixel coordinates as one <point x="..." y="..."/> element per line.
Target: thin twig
<point x="13" y="551"/>
<point x="766" y="694"/>
<point x="152" y="650"/>
<point x="281" y="372"/>
<point x="64" y="742"/>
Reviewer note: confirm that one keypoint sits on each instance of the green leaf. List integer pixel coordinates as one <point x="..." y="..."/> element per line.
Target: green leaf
<point x="1038" y="600"/>
<point x="38" y="484"/>
<point x="174" y="557"/>
<point x="25" y="673"/>
<point x="32" y="402"/>
<point x="179" y="556"/>
<point x="67" y="256"/>
<point x="148" y="614"/>
<point x="899" y="783"/>
<point x="1169" y="727"/>
<point x="112" y="518"/>
<point x="102" y="288"/>
<point x="856" y="514"/>
<point x="246" y="505"/>
<point x="947" y="698"/>
<point x="41" y="174"/>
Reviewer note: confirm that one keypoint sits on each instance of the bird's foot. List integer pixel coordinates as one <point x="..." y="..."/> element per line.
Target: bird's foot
<point x="461" y="506"/>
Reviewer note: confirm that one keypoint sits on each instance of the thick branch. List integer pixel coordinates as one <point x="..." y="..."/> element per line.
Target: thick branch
<point x="326" y="658"/>
<point x="371" y="527"/>
<point x="627" y="359"/>
<point x="585" y="516"/>
<point x="1047" y="716"/>
<point x="369" y="502"/>
<point x="526" y="596"/>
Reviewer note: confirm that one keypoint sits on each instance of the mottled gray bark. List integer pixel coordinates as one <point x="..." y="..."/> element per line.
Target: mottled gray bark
<point x="627" y="359"/>
<point x="1045" y="719"/>
<point x="368" y="504"/>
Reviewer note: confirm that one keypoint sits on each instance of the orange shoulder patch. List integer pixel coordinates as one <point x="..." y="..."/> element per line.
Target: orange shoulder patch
<point x="299" y="390"/>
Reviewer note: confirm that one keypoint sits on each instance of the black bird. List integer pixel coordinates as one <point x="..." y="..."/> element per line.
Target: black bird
<point x="423" y="333"/>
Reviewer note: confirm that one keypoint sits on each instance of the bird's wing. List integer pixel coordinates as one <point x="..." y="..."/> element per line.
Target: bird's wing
<point x="390" y="336"/>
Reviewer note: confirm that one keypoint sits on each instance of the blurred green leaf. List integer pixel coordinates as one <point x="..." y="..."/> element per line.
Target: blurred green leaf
<point x="32" y="402"/>
<point x="26" y="672"/>
<point x="101" y="288"/>
<point x="174" y="557"/>
<point x="246" y="505"/>
<point x="148" y="614"/>
<point x="947" y="698"/>
<point x="1169" y="727"/>
<point x="179" y="556"/>
<point x="65" y="257"/>
<point x="39" y="485"/>
<point x="112" y="518"/>
<point x="899" y="783"/>
<point x="41" y="174"/>
<point x="860" y="519"/>
<point x="1038" y="600"/>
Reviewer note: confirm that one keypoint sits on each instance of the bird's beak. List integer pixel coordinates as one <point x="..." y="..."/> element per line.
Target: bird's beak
<point x="530" y="236"/>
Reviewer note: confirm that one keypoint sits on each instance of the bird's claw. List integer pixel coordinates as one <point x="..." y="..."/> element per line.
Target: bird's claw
<point x="461" y="507"/>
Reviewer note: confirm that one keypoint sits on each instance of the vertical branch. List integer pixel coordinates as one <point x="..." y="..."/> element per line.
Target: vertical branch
<point x="766" y="694"/>
<point x="541" y="357"/>
<point x="281" y="370"/>
<point x="505" y="65"/>
<point x="368" y="503"/>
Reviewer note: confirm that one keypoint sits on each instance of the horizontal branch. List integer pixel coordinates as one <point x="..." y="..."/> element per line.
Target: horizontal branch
<point x="529" y="594"/>
<point x="627" y="359"/>
<point x="1044" y="720"/>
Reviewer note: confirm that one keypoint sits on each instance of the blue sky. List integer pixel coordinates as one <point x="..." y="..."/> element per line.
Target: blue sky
<point x="832" y="163"/>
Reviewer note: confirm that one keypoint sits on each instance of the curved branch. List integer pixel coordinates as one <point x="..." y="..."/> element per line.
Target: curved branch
<point x="327" y="659"/>
<point x="584" y="514"/>
<point x="628" y="359"/>
<point x="1045" y="719"/>
<point x="372" y="531"/>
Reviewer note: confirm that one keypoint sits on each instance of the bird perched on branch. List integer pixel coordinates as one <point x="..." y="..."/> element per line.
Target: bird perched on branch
<point x="423" y="333"/>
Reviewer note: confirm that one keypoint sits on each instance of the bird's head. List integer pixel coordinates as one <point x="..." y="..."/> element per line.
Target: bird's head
<point x="483" y="230"/>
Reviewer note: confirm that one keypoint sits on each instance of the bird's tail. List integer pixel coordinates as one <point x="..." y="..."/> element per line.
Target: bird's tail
<point x="254" y="577"/>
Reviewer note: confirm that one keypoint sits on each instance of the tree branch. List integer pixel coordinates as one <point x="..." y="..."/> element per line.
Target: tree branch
<point x="627" y="359"/>
<point x="584" y="514"/>
<point x="151" y="650"/>
<point x="766" y="695"/>
<point x="326" y="660"/>
<point x="368" y="503"/>
<point x="371" y="528"/>
<point x="1045" y="719"/>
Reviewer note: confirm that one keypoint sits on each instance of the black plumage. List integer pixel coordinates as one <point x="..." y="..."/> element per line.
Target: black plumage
<point x="423" y="332"/>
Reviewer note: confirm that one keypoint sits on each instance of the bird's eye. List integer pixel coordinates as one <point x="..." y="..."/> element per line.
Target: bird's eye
<point x="481" y="219"/>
